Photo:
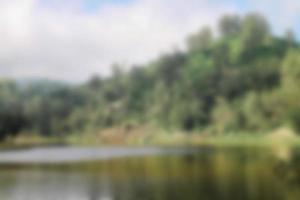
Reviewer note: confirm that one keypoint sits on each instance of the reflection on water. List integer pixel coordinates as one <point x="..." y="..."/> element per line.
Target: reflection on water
<point x="224" y="173"/>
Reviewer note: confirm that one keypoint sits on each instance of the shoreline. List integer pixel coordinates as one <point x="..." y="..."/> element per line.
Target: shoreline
<point x="157" y="138"/>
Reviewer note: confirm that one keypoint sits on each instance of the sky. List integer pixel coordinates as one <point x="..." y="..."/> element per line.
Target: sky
<point x="70" y="40"/>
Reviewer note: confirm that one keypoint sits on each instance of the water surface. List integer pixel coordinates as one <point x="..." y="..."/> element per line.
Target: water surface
<point x="151" y="173"/>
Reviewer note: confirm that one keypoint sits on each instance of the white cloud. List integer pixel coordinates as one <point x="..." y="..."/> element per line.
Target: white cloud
<point x="57" y="39"/>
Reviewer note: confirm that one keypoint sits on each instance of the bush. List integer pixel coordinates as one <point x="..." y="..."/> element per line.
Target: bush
<point x="294" y="118"/>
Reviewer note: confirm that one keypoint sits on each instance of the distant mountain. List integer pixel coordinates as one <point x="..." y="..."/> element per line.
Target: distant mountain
<point x="40" y="85"/>
<point x="29" y="82"/>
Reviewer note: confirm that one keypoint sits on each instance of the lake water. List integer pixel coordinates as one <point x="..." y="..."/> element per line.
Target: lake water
<point x="150" y="173"/>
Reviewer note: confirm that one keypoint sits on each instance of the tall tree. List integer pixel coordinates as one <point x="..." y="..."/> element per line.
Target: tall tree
<point x="201" y="40"/>
<point x="230" y="25"/>
<point x="255" y="30"/>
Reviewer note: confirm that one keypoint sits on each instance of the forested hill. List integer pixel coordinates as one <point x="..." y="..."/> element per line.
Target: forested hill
<point x="244" y="79"/>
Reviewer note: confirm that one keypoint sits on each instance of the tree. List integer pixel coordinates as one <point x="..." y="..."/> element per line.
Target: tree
<point x="294" y="117"/>
<point x="290" y="87"/>
<point x="290" y="38"/>
<point x="168" y="67"/>
<point x="95" y="82"/>
<point x="201" y="40"/>
<point x="255" y="30"/>
<point x="224" y="117"/>
<point x="230" y="25"/>
<point x="291" y="69"/>
<point x="12" y="119"/>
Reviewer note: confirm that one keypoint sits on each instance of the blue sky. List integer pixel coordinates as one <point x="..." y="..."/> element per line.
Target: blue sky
<point x="78" y="38"/>
<point x="94" y="5"/>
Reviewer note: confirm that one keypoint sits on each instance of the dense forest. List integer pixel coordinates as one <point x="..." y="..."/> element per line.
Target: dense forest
<point x="243" y="78"/>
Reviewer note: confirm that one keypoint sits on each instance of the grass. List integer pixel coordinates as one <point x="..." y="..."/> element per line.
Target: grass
<point x="146" y="136"/>
<point x="29" y="140"/>
<point x="149" y="136"/>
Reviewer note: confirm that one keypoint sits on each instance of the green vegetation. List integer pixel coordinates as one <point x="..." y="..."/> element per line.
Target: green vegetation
<point x="244" y="80"/>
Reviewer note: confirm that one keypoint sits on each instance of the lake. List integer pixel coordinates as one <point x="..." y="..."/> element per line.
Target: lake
<point x="120" y="173"/>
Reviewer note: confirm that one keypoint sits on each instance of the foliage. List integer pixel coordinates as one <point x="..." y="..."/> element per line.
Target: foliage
<point x="295" y="119"/>
<point x="201" y="40"/>
<point x="230" y="25"/>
